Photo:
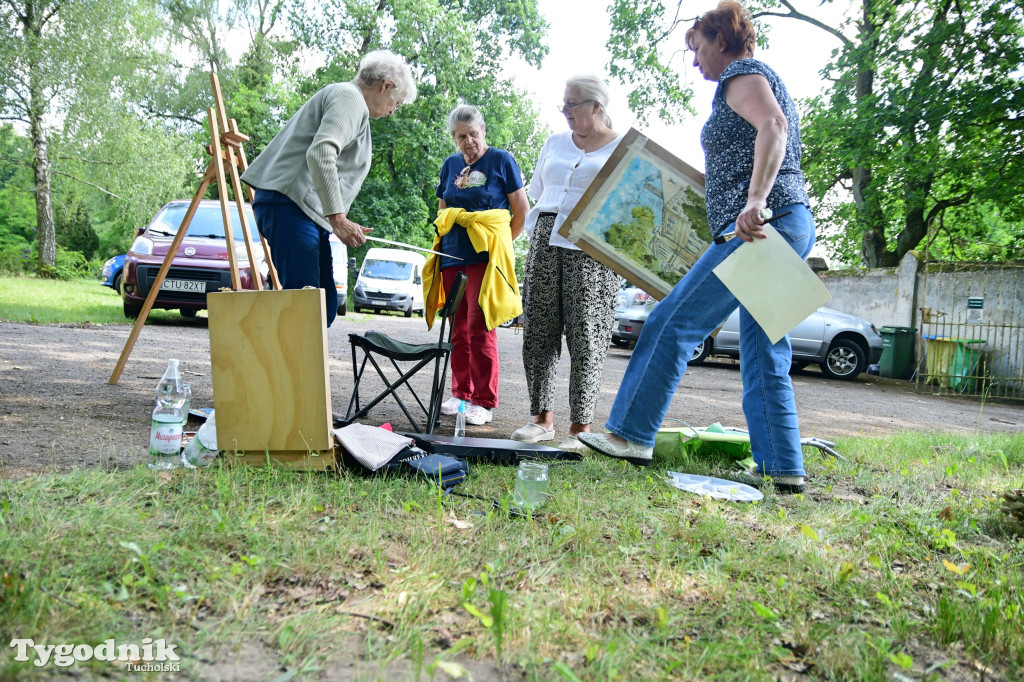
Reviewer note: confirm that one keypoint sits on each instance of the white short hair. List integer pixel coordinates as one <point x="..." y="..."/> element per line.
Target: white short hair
<point x="466" y="113"/>
<point x="383" y="66"/>
<point x="592" y="87"/>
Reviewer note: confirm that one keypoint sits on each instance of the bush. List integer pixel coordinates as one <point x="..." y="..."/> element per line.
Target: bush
<point x="22" y="258"/>
<point x="17" y="258"/>
<point x="71" y="265"/>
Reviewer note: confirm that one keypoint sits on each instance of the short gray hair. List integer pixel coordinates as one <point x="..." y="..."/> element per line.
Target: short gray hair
<point x="384" y="66"/>
<point x="466" y="113"/>
<point x="592" y="87"/>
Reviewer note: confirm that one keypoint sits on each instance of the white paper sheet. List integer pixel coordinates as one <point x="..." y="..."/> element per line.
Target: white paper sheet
<point x="773" y="283"/>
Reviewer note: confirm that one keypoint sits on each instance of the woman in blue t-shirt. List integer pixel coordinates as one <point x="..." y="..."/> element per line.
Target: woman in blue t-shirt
<point x="476" y="178"/>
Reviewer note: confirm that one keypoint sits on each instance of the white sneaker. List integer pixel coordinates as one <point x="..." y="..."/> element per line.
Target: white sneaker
<point x="450" y="406"/>
<point x="477" y="415"/>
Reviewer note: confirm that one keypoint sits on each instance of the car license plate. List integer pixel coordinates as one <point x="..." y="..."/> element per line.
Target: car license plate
<point x="379" y="303"/>
<point x="184" y="285"/>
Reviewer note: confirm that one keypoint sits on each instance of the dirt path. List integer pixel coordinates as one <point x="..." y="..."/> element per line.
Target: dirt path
<point x="58" y="409"/>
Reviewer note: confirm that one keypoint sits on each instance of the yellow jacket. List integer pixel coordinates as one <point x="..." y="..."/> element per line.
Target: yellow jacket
<point x="489" y="231"/>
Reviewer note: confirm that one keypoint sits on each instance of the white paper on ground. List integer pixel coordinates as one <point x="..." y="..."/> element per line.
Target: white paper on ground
<point x="773" y="283"/>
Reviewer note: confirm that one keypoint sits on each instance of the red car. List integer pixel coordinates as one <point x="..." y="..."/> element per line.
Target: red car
<point x="200" y="266"/>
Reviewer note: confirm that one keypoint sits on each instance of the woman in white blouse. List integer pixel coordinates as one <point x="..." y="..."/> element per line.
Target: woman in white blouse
<point x="567" y="291"/>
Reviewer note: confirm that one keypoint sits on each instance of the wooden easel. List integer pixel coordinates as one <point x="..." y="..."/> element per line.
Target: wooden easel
<point x="225" y="150"/>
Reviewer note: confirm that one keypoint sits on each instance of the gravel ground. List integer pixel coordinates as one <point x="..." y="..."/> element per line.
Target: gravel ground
<point x="58" y="409"/>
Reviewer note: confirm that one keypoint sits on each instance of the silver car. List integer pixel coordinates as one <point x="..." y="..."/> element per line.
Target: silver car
<point x="843" y="345"/>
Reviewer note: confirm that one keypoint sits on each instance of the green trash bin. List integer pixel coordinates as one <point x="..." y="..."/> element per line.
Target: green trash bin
<point x="897" y="360"/>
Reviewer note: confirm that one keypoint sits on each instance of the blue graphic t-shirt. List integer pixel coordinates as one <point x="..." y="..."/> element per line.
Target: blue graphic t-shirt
<point x="728" y="142"/>
<point x="480" y="186"/>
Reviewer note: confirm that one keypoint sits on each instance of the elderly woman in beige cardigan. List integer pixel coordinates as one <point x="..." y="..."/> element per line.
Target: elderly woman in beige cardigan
<point x="308" y="176"/>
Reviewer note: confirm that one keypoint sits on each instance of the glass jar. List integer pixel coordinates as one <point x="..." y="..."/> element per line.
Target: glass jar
<point x="531" y="489"/>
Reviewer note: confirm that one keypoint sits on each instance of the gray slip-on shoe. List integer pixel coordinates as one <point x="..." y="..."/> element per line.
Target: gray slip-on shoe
<point x="532" y="433"/>
<point x="633" y="453"/>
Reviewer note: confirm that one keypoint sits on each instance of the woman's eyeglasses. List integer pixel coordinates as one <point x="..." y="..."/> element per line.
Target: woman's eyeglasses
<point x="569" y="106"/>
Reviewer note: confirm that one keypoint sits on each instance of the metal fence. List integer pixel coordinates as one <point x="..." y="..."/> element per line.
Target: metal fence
<point x="971" y="326"/>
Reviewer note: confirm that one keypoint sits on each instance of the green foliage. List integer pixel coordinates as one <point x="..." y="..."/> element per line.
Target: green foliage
<point x="643" y="56"/>
<point x="920" y="137"/>
<point x="69" y="74"/>
<point x="938" y="133"/>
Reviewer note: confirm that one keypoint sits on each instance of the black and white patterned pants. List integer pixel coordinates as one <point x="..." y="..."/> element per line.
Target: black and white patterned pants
<point x="566" y="291"/>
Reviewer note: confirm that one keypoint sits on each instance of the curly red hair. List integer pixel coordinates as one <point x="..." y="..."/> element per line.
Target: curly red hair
<point x="733" y="22"/>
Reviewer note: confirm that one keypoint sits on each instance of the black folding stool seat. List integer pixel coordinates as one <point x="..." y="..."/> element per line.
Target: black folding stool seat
<point x="379" y="344"/>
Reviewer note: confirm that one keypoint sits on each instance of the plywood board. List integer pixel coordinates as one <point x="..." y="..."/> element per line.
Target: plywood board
<point x="643" y="215"/>
<point x="271" y="386"/>
<point x="298" y="460"/>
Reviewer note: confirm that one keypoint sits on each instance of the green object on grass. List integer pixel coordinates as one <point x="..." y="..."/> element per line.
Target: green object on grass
<point x="714" y="443"/>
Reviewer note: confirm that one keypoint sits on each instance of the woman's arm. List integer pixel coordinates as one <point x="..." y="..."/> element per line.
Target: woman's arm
<point x="339" y="124"/>
<point x="520" y="207"/>
<point x="750" y="97"/>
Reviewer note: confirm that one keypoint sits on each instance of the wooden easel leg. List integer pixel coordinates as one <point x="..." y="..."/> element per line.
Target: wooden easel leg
<point x="243" y="162"/>
<point x="232" y="139"/>
<point x="158" y="282"/>
<point x="225" y="212"/>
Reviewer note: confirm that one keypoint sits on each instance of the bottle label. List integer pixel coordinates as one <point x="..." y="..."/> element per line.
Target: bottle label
<point x="165" y="439"/>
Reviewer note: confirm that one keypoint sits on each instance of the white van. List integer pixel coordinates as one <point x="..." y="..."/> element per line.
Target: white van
<point x="390" y="279"/>
<point x="341" y="262"/>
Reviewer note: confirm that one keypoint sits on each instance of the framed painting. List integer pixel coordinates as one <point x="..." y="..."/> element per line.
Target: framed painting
<point x="643" y="215"/>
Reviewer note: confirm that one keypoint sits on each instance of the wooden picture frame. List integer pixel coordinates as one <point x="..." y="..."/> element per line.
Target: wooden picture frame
<point x="643" y="215"/>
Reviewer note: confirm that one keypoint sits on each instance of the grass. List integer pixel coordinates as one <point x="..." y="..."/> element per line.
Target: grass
<point x="899" y="566"/>
<point x="80" y="301"/>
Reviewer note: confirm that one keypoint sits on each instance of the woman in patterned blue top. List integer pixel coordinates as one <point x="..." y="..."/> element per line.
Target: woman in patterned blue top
<point x="752" y="148"/>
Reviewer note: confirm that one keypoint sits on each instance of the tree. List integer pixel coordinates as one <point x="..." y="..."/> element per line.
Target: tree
<point x="923" y="127"/>
<point x="65" y="65"/>
<point x="456" y="48"/>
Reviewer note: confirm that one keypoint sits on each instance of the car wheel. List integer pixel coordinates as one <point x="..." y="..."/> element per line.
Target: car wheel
<point x="343" y="308"/>
<point x="188" y="312"/>
<point x="797" y="366"/>
<point x="131" y="310"/>
<point x="117" y="284"/>
<point x="408" y="313"/>
<point x="701" y="352"/>
<point x="845" y="360"/>
<point x="621" y="343"/>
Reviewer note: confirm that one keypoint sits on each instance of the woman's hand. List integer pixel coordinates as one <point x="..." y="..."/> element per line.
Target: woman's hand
<point x="350" y="233"/>
<point x="749" y="224"/>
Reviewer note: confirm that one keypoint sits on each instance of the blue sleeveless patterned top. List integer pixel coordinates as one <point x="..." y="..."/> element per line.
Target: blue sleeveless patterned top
<point x="728" y="143"/>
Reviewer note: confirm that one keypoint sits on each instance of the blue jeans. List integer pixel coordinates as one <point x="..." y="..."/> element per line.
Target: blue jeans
<point x="299" y="247"/>
<point x="684" y="318"/>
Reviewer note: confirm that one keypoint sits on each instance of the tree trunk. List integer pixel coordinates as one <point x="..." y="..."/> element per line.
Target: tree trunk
<point x="45" y="234"/>
<point x="44" y="205"/>
<point x="869" y="212"/>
